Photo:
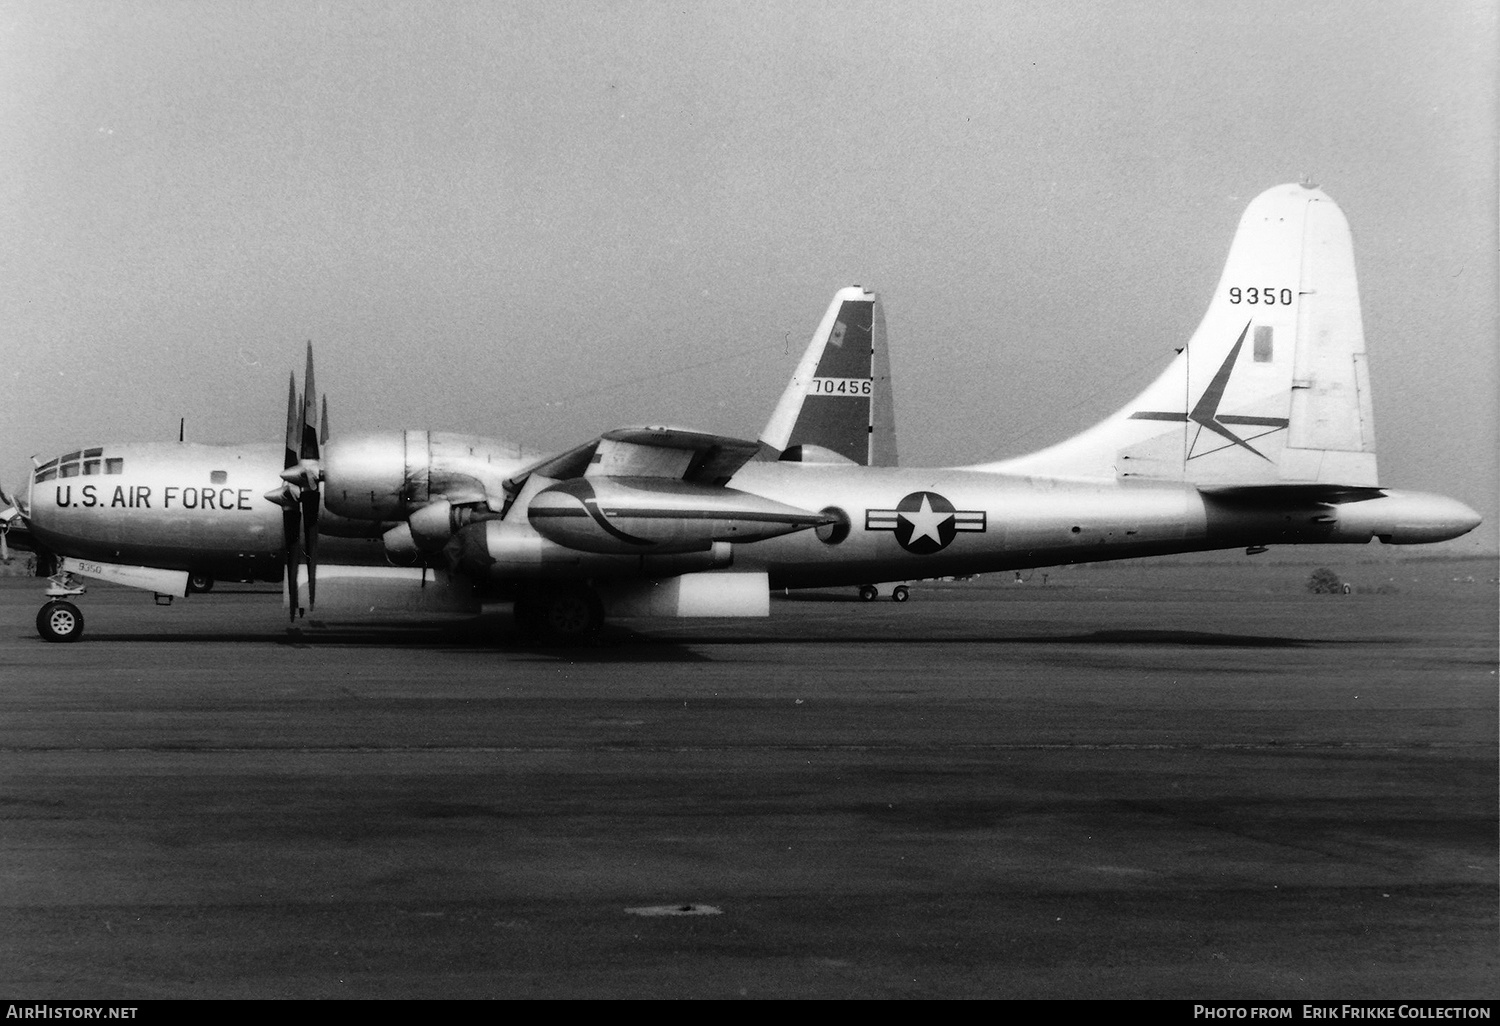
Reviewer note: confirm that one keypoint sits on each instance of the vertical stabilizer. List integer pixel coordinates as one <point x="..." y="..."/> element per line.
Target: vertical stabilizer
<point x="838" y="407"/>
<point x="1273" y="386"/>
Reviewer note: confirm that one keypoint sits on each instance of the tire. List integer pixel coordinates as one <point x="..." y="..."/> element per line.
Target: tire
<point x="59" y="621"/>
<point x="199" y="584"/>
<point x="569" y="614"/>
<point x="868" y="593"/>
<point x="524" y="614"/>
<point x="901" y="594"/>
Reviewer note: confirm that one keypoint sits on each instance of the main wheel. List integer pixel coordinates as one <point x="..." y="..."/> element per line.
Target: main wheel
<point x="199" y="583"/>
<point x="869" y="593"/>
<point x="900" y="594"/>
<point x="59" y="621"/>
<point x="524" y="614"/>
<point x="567" y="614"/>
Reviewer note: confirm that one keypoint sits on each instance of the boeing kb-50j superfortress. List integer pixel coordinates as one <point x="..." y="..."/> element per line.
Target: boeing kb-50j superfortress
<point x="1260" y="432"/>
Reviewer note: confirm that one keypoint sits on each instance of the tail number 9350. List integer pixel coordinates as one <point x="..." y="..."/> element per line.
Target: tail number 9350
<point x="1255" y="296"/>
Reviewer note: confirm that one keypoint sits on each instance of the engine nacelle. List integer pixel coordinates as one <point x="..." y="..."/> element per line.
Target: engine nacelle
<point x="654" y="515"/>
<point x="389" y="475"/>
<point x="429" y="529"/>
<point x="509" y="551"/>
<point x="400" y="547"/>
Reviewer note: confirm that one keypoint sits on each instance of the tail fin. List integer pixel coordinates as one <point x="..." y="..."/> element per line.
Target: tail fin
<point x="838" y="406"/>
<point x="1273" y="388"/>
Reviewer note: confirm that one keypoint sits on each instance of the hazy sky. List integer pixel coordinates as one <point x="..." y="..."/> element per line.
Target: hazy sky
<point x="543" y="220"/>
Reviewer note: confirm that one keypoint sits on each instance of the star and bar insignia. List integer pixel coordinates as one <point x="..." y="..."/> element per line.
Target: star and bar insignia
<point x="924" y="522"/>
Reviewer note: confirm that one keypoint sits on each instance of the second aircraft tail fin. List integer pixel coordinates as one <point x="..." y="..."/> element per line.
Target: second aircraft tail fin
<point x="1272" y="388"/>
<point x="838" y="407"/>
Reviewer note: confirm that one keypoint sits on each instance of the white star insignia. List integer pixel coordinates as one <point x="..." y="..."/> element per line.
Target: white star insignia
<point x="925" y="522"/>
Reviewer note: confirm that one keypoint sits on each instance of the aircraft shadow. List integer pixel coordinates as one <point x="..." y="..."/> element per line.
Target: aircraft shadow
<point x="1107" y="637"/>
<point x="612" y="645"/>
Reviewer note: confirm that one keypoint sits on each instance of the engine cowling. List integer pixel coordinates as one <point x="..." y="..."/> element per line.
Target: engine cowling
<point x="389" y="475"/>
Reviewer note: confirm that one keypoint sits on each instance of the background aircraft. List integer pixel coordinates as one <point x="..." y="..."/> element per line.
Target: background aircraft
<point x="1260" y="432"/>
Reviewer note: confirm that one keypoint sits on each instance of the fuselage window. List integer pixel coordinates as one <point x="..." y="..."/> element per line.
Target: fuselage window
<point x="114" y="466"/>
<point x="218" y="476"/>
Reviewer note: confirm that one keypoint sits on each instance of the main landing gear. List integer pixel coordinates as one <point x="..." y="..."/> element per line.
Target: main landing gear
<point x="559" y="614"/>
<point x="59" y="620"/>
<point x="869" y="593"/>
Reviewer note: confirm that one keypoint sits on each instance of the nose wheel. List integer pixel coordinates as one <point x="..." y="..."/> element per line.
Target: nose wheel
<point x="59" y="621"/>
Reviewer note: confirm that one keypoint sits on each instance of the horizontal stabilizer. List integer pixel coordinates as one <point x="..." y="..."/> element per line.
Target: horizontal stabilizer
<point x="1283" y="496"/>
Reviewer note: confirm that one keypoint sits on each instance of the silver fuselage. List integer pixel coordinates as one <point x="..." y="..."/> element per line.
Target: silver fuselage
<point x="178" y="506"/>
<point x="1003" y="522"/>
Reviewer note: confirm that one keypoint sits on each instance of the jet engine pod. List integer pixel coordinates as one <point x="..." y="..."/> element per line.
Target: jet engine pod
<point x="631" y="516"/>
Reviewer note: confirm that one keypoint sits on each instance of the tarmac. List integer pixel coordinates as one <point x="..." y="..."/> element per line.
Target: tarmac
<point x="1125" y="783"/>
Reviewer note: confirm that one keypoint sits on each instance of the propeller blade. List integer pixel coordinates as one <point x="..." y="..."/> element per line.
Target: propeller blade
<point x="323" y="425"/>
<point x="291" y="520"/>
<point x="291" y="423"/>
<point x="310" y="536"/>
<point x="309" y="437"/>
<point x="308" y="452"/>
<point x="291" y="510"/>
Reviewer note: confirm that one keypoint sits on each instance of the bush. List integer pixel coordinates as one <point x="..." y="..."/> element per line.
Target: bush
<point x="1324" y="581"/>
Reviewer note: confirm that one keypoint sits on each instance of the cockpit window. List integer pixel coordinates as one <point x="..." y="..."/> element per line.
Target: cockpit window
<point x="83" y="461"/>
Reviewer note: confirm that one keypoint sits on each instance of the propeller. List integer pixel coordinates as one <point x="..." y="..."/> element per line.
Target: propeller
<point x="9" y="510"/>
<point x="298" y="497"/>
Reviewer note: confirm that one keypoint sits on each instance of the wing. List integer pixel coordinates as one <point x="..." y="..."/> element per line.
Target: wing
<point x="649" y="490"/>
